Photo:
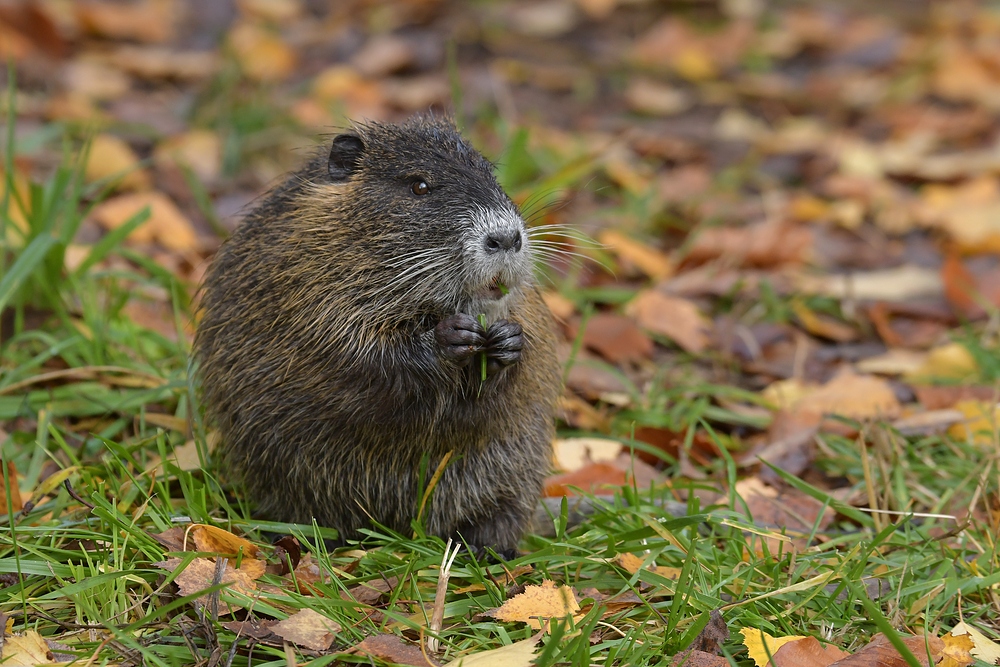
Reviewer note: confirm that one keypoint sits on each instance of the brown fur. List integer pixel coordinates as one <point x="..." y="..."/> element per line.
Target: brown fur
<point x="332" y="364"/>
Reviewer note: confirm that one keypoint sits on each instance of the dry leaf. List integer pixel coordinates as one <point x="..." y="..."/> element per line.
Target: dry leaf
<point x="675" y="317"/>
<point x="218" y="541"/>
<point x="572" y="454"/>
<point x="632" y="563"/>
<point x="652" y="97"/>
<point x="853" y="396"/>
<point x="199" y="150"/>
<point x="980" y="423"/>
<point x="952" y="361"/>
<point x="391" y="648"/>
<point x="591" y="478"/>
<point x="650" y="261"/>
<point x="142" y="20"/>
<point x="518" y="654"/>
<point x="166" y="224"/>
<point x="761" y="245"/>
<point x="307" y="628"/>
<point x="982" y="647"/>
<point x="25" y="650"/>
<point x="756" y="641"/>
<point x="539" y="603"/>
<point x="110" y="157"/>
<point x="807" y="652"/>
<point x="881" y="652"/>
<point x="200" y="574"/>
<point x="616" y="338"/>
<point x="261" y="53"/>
<point x="15" y="492"/>
<point x="276" y="11"/>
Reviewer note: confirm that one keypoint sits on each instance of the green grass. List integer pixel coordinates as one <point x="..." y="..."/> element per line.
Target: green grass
<point x="80" y="384"/>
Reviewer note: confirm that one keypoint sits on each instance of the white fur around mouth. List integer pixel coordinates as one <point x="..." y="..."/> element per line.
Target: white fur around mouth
<point x="495" y="289"/>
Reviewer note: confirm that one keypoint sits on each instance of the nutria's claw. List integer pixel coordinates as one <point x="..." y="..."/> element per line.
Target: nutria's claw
<point x="504" y="341"/>
<point x="460" y="337"/>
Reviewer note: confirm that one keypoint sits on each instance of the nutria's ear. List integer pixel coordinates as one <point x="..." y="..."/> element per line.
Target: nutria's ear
<point x="344" y="156"/>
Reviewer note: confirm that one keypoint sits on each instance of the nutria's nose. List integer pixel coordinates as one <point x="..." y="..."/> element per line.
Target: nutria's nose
<point x="497" y="241"/>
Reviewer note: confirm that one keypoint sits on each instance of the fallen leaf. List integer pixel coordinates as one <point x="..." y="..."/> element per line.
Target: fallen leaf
<point x="200" y="574"/>
<point x="307" y="628"/>
<point x="261" y="53"/>
<point x="539" y="603"/>
<point x="650" y="261"/>
<point x="761" y="245"/>
<point x="980" y="424"/>
<point x="572" y="454"/>
<point x="697" y="658"/>
<point x="952" y="362"/>
<point x="518" y="654"/>
<point x="158" y="62"/>
<point x="853" y="396"/>
<point x="899" y="284"/>
<point x="276" y="11"/>
<point x="674" y="317"/>
<point x="142" y="20"/>
<point x="761" y="645"/>
<point x="110" y="157"/>
<point x="823" y="325"/>
<point x="807" y="652"/>
<point x="616" y="338"/>
<point x="383" y="55"/>
<point x="16" y="502"/>
<point x="881" y="652"/>
<point x="590" y="478"/>
<point x="166" y="224"/>
<point x="631" y="563"/>
<point x="258" y="628"/>
<point x="199" y="150"/>
<point x="25" y="650"/>
<point x="95" y="80"/>
<point x="391" y="648"/>
<point x="655" y="98"/>
<point x="218" y="541"/>
<point x="982" y="647"/>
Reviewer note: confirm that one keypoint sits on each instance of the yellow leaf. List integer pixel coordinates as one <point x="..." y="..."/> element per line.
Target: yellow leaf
<point x="755" y="641"/>
<point x="572" y="454"/>
<point x="27" y="649"/>
<point x="518" y="654"/>
<point x="218" y="541"/>
<point x="110" y="157"/>
<point x="538" y="603"/>
<point x="982" y="648"/>
<point x="261" y="53"/>
<point x="952" y="361"/>
<point x="650" y="261"/>
<point x="166" y="224"/>
<point x="980" y="423"/>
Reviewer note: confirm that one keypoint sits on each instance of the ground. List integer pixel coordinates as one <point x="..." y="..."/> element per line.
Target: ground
<point x="774" y="234"/>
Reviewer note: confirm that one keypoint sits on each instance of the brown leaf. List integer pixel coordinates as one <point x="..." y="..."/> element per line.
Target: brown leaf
<point x="933" y="397"/>
<point x="158" y="62"/>
<point x="258" y="628"/>
<point x="200" y="574"/>
<point x="882" y="653"/>
<point x="199" y="150"/>
<point x="591" y="478"/>
<point x="695" y="658"/>
<point x="652" y="97"/>
<point x="31" y="22"/>
<point x="307" y="628"/>
<point x="371" y="592"/>
<point x="166" y="224"/>
<point x="853" y="396"/>
<point x="142" y="20"/>
<point x="650" y="261"/>
<point x="616" y="338"/>
<point x="677" y="318"/>
<point x="16" y="502"/>
<point x="391" y="648"/>
<point x="171" y="538"/>
<point x="763" y="245"/>
<point x="807" y="652"/>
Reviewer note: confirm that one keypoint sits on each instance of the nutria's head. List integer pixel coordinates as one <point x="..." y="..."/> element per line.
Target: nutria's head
<point x="412" y="215"/>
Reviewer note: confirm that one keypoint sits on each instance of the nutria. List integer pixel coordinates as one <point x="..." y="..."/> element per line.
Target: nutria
<point x="342" y="353"/>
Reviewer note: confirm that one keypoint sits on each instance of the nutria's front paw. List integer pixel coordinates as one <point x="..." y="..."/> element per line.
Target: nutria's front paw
<point x="460" y="337"/>
<point x="504" y="341"/>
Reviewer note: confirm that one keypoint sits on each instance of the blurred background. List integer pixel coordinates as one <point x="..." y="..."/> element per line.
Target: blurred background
<point x="777" y="192"/>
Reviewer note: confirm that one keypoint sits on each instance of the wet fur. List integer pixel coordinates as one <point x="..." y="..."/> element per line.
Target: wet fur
<point x="319" y="362"/>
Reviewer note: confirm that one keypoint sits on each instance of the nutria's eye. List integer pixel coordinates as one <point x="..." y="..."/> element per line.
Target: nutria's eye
<point x="419" y="187"/>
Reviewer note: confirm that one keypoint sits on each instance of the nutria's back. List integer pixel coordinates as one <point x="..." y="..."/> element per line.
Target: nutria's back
<point x="340" y="348"/>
